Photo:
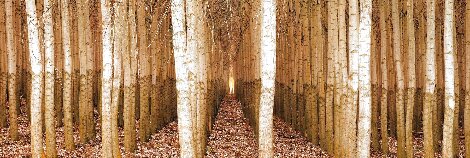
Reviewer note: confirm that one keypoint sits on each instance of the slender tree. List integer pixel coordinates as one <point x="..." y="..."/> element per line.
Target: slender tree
<point x="353" y="82"/>
<point x="430" y="82"/>
<point x="410" y="92"/>
<point x="3" y="66"/>
<point x="106" y="113"/>
<point x="450" y="64"/>
<point x="12" y="74"/>
<point x="49" y="114"/>
<point x="67" y="91"/>
<point x="37" y="77"/>
<point x="268" y="65"/>
<point x="183" y="81"/>
<point x="383" y="67"/>
<point x="130" y="69"/>
<point x="399" y="79"/>
<point x="467" y="76"/>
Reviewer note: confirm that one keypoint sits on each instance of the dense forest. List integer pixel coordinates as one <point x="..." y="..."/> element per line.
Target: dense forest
<point x="265" y="78"/>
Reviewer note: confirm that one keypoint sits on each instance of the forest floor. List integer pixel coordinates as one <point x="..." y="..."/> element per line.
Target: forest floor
<point x="231" y="136"/>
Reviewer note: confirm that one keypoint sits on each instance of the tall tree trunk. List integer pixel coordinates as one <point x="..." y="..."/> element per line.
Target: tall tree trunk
<point x="106" y="125"/>
<point x="3" y="68"/>
<point x="410" y="92"/>
<point x="383" y="67"/>
<point x="353" y="82"/>
<point x="12" y="75"/>
<point x="399" y="79"/>
<point x="364" y="112"/>
<point x="467" y="76"/>
<point x="341" y="69"/>
<point x="332" y="51"/>
<point x="51" y="150"/>
<point x="451" y="68"/>
<point x="67" y="91"/>
<point x="430" y="82"/>
<point x="267" y="65"/>
<point x="144" y="67"/>
<point x="37" y="77"/>
<point x="183" y="81"/>
<point x="130" y="69"/>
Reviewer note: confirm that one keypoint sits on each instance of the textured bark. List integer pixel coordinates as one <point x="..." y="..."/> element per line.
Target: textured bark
<point x="332" y="50"/>
<point x="364" y="112"/>
<point x="130" y="69"/>
<point x="451" y="69"/>
<point x="183" y="80"/>
<point x="341" y="71"/>
<point x="353" y="81"/>
<point x="3" y="67"/>
<point x="12" y="72"/>
<point x="430" y="82"/>
<point x="411" y="91"/>
<point x="144" y="67"/>
<point x="85" y="108"/>
<point x="106" y="113"/>
<point x="467" y="76"/>
<point x="67" y="91"/>
<point x="383" y="67"/>
<point x="267" y="67"/>
<point x="396" y="31"/>
<point x="51" y="150"/>
<point x="37" y="77"/>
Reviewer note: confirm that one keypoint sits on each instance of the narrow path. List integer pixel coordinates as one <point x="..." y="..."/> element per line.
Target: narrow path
<point x="232" y="136"/>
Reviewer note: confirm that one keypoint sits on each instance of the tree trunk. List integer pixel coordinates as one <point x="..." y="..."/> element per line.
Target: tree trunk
<point x="353" y="81"/>
<point x="467" y="76"/>
<point x="144" y="67"/>
<point x="130" y="69"/>
<point x="267" y="65"/>
<point x="183" y="81"/>
<point x="410" y="92"/>
<point x="51" y="150"/>
<point x="430" y="84"/>
<point x="364" y="112"/>
<point x="451" y="68"/>
<point x="37" y="77"/>
<point x="384" y="96"/>
<point x="12" y="75"/>
<point x="106" y="125"/>
<point x="332" y="50"/>
<point x="67" y="91"/>
<point x="3" y="68"/>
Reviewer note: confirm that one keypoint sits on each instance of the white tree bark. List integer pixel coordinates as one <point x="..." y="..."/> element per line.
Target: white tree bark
<point x="106" y="136"/>
<point x="450" y="70"/>
<point x="49" y="80"/>
<point x="268" y="67"/>
<point x="36" y="70"/>
<point x="430" y="80"/>
<point x="363" y="124"/>
<point x="183" y="85"/>
<point x="67" y="92"/>
<point x="353" y="82"/>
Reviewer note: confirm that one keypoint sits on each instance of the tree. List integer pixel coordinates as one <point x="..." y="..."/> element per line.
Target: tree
<point x="430" y="81"/>
<point x="3" y="67"/>
<point x="183" y="80"/>
<point x="332" y="51"/>
<point x="383" y="67"/>
<point x="106" y="113"/>
<point x="467" y="86"/>
<point x="51" y="150"/>
<point x="400" y="102"/>
<point x="144" y="73"/>
<point x="67" y="91"/>
<point x="451" y="68"/>
<point x="410" y="92"/>
<point x="364" y="112"/>
<point x="130" y="69"/>
<point x="12" y="75"/>
<point x="267" y="65"/>
<point x="85" y="108"/>
<point x="37" y="77"/>
<point x="353" y="81"/>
